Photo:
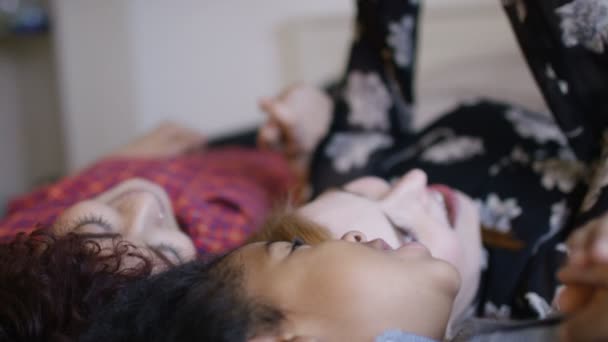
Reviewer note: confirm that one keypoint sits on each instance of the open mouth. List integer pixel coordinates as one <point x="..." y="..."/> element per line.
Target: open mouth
<point x="448" y="201"/>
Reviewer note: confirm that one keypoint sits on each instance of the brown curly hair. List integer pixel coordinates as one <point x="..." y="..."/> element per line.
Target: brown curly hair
<point x="50" y="286"/>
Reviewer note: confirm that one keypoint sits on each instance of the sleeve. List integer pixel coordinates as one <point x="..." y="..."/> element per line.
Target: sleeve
<point x="376" y="90"/>
<point x="227" y="195"/>
<point x="373" y="102"/>
<point x="565" y="43"/>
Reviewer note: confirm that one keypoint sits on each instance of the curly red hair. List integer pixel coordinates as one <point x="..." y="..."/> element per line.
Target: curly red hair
<point x="50" y="286"/>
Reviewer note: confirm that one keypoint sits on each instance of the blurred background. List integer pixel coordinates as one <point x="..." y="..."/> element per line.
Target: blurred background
<point x="81" y="77"/>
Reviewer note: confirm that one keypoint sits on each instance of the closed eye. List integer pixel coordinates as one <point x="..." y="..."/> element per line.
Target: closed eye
<point x="168" y="254"/>
<point x="98" y="222"/>
<point x="296" y="243"/>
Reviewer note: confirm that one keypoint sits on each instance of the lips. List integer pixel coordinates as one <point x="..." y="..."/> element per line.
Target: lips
<point x="450" y="201"/>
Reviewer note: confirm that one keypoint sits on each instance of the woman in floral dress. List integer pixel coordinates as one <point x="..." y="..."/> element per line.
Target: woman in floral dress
<point x="535" y="178"/>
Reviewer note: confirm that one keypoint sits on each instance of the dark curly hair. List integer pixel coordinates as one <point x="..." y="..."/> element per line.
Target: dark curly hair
<point x="197" y="301"/>
<point x="51" y="286"/>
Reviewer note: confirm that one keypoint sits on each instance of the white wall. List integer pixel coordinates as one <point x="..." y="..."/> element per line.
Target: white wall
<point x="96" y="62"/>
<point x="126" y="65"/>
<point x="31" y="147"/>
<point x="205" y="63"/>
<point x="12" y="175"/>
<point x="468" y="50"/>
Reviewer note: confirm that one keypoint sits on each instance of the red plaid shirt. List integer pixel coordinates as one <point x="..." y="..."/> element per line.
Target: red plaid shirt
<point x="219" y="196"/>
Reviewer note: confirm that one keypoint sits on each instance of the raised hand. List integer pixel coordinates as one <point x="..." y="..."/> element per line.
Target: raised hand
<point x="296" y="122"/>
<point x="585" y="297"/>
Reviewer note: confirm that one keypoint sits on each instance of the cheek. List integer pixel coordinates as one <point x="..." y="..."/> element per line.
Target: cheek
<point x="339" y="294"/>
<point x="173" y="238"/>
<point x="448" y="247"/>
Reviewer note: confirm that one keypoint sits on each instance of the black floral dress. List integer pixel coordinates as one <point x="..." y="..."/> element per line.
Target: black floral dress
<point x="534" y="176"/>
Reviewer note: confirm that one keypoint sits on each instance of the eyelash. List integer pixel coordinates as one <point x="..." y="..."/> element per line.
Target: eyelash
<point x="169" y="249"/>
<point x="91" y="219"/>
<point x="296" y="243"/>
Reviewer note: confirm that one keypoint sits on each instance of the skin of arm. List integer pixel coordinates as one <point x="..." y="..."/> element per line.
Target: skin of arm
<point x="167" y="140"/>
<point x="297" y="120"/>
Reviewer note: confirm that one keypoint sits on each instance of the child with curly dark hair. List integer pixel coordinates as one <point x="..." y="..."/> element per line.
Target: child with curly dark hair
<point x="50" y="286"/>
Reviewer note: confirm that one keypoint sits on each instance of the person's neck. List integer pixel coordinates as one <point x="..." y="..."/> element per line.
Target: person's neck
<point x="431" y="321"/>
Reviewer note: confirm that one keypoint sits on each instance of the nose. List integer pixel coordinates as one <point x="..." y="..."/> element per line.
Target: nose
<point x="412" y="183"/>
<point x="354" y="236"/>
<point x="140" y="211"/>
<point x="370" y="187"/>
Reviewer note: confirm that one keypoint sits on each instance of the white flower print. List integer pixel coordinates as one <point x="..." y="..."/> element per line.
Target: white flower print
<point x="368" y="99"/>
<point x="550" y="72"/>
<point x="518" y="155"/>
<point x="352" y="150"/>
<point x="540" y="305"/>
<point x="559" y="215"/>
<point x="562" y="172"/>
<point x="562" y="248"/>
<point x="557" y="221"/>
<point x="499" y="313"/>
<point x="400" y="38"/>
<point x="599" y="178"/>
<point x="558" y="290"/>
<point x="563" y="87"/>
<point x="497" y="214"/>
<point x="453" y="149"/>
<point x="413" y="150"/>
<point x="535" y="126"/>
<point x="585" y="22"/>
<point x="485" y="259"/>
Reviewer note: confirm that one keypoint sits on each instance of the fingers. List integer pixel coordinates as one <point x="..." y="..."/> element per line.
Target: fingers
<point x="576" y="246"/>
<point x="277" y="132"/>
<point x="269" y="136"/>
<point x="590" y="323"/>
<point x="596" y="275"/>
<point x="599" y="241"/>
<point x="585" y="297"/>
<point x="574" y="298"/>
<point x="590" y="243"/>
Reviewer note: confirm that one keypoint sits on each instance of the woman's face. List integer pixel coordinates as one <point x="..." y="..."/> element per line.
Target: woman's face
<point x="139" y="211"/>
<point x="443" y="220"/>
<point x="350" y="289"/>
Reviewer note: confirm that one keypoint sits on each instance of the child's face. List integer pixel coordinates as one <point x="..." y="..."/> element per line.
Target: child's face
<point x="442" y="219"/>
<point x="349" y="289"/>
